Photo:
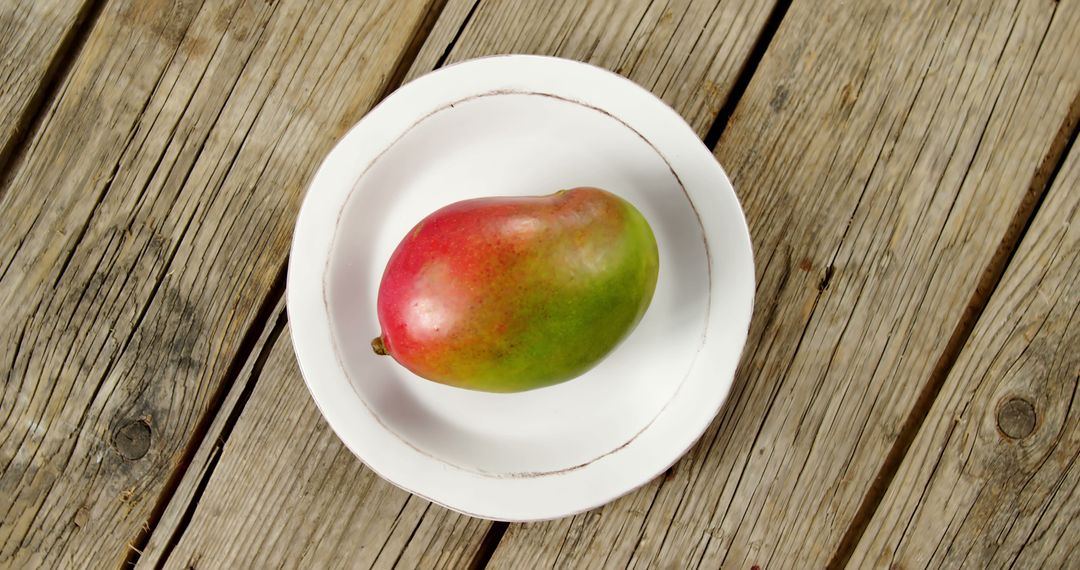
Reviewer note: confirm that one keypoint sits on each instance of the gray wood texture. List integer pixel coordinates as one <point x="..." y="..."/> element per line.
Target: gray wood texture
<point x="286" y="493"/>
<point x="884" y="152"/>
<point x="992" y="480"/>
<point x="881" y="151"/>
<point x="687" y="52"/>
<point x="36" y="40"/>
<point x="143" y="231"/>
<point x="378" y="525"/>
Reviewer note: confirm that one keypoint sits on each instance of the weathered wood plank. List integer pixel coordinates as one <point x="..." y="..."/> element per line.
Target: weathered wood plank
<point x="180" y="502"/>
<point x="287" y="493"/>
<point x="438" y="537"/>
<point x="992" y="480"/>
<point x="36" y="36"/>
<point x="688" y="52"/>
<point x="143" y="230"/>
<point x="881" y="151"/>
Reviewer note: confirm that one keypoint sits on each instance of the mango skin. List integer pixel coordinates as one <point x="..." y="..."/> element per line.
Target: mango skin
<point x="515" y="293"/>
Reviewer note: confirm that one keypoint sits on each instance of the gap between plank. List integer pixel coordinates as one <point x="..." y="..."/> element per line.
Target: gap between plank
<point x="251" y="339"/>
<point x="249" y="343"/>
<point x="711" y="139"/>
<point x="461" y="29"/>
<point x="226" y="430"/>
<point x="749" y="68"/>
<point x="56" y="71"/>
<point x="488" y="545"/>
<point x="408" y="57"/>
<point x="1041" y="182"/>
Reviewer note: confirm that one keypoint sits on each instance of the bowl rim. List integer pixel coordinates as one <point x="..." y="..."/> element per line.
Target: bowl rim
<point x="526" y="496"/>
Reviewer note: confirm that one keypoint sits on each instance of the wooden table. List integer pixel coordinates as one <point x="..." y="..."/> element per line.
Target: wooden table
<point x="907" y="396"/>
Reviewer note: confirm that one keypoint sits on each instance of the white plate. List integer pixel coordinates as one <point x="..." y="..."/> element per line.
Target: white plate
<point x="521" y="125"/>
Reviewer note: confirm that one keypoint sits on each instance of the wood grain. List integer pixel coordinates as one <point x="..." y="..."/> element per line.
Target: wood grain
<point x="36" y="37"/>
<point x="992" y="480"/>
<point x="287" y="493"/>
<point x="688" y="52"/>
<point x="414" y="535"/>
<point x="143" y="231"/>
<point x="881" y="151"/>
<point x="268" y="441"/>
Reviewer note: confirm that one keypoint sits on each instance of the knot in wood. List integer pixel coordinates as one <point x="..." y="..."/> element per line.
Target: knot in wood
<point x="132" y="440"/>
<point x="1016" y="418"/>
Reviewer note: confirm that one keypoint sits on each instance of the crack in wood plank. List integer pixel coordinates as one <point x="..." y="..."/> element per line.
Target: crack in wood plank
<point x="761" y="45"/>
<point x="40" y="42"/>
<point x="967" y="493"/>
<point x="131" y="282"/>
<point x="899" y="84"/>
<point x="1041" y="181"/>
<point x="453" y="27"/>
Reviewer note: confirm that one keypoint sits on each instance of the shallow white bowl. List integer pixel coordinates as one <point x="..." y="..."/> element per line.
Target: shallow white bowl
<point x="504" y="126"/>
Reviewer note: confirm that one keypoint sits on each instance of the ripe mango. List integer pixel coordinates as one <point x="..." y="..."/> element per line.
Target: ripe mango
<point x="510" y="294"/>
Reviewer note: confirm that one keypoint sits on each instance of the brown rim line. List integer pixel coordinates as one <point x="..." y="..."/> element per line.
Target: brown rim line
<point x="523" y="474"/>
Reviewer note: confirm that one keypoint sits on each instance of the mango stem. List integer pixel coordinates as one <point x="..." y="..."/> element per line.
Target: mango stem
<point x="378" y="346"/>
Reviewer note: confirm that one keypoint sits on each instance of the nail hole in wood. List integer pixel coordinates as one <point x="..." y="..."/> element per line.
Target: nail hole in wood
<point x="1016" y="418"/>
<point x="132" y="440"/>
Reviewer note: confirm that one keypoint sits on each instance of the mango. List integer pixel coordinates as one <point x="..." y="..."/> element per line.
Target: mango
<point x="508" y="294"/>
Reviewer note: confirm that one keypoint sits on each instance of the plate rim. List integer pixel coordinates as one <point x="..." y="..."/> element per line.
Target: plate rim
<point x="514" y="75"/>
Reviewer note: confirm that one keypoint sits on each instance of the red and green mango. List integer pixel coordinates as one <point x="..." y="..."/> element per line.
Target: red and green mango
<point x="510" y="294"/>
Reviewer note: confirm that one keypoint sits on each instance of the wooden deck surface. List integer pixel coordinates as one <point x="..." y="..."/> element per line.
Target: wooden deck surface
<point x="907" y="396"/>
